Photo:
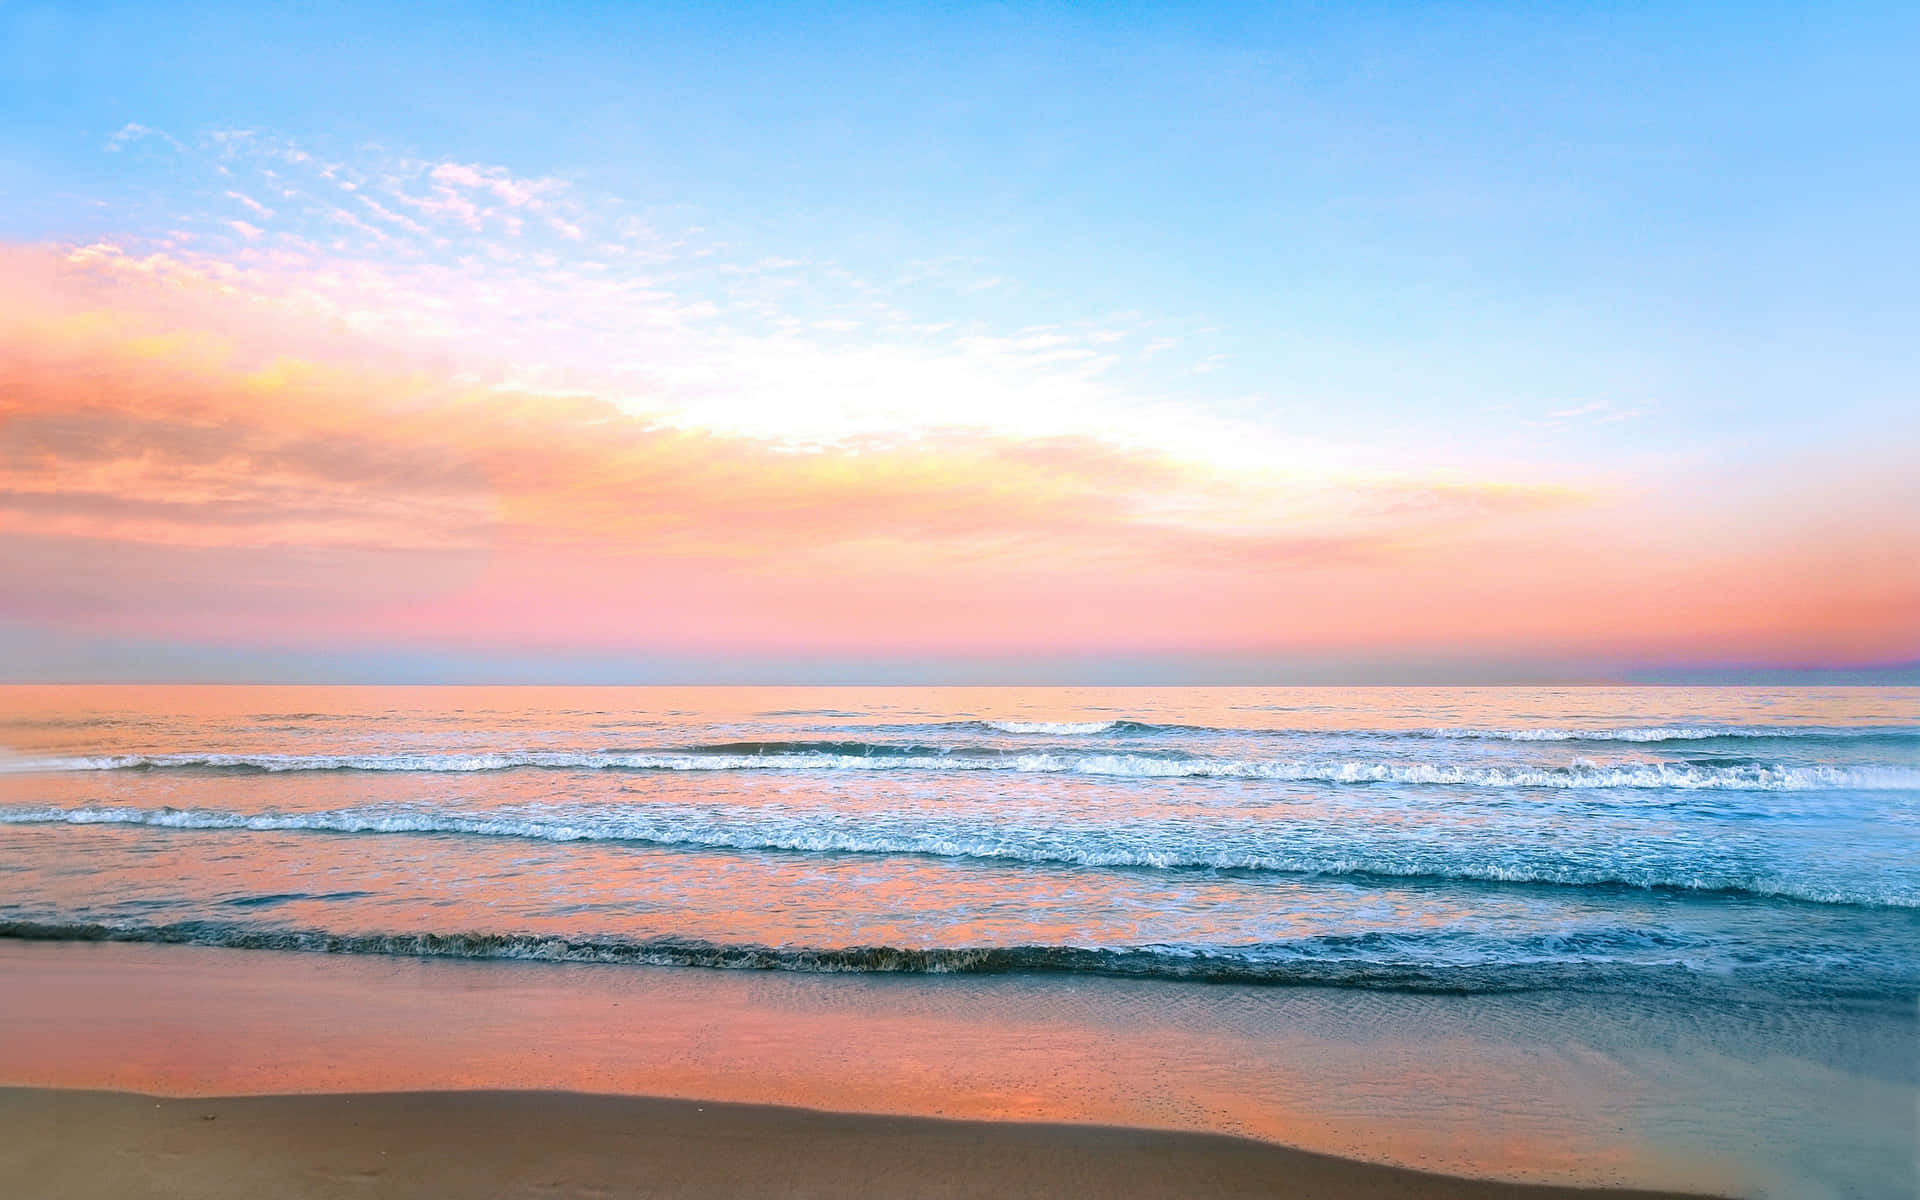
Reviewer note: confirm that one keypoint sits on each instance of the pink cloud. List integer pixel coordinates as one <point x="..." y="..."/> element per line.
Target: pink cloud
<point x="178" y="457"/>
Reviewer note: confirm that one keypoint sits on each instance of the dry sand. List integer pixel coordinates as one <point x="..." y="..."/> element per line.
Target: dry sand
<point x="74" y="1145"/>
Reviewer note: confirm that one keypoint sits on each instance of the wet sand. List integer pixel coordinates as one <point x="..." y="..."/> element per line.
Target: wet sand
<point x="73" y="1145"/>
<point x="1540" y="1089"/>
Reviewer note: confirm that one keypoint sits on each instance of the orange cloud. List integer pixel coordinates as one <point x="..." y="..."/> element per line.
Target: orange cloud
<point x="181" y="458"/>
<point x="115" y="429"/>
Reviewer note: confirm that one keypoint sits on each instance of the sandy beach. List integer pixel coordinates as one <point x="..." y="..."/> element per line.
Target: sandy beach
<point x="120" y="1065"/>
<point x="82" y="1145"/>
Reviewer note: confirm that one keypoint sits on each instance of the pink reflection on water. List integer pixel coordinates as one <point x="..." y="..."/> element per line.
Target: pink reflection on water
<point x="53" y="719"/>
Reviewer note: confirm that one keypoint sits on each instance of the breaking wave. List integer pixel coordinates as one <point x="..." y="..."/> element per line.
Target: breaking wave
<point x="1627" y="733"/>
<point x="1380" y="961"/>
<point x="1674" y="733"/>
<point x="953" y="840"/>
<point x="1642" y="734"/>
<point x="1067" y="727"/>
<point x="1765" y="777"/>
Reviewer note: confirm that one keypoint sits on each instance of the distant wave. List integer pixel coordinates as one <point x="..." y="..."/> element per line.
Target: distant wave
<point x="1765" y="777"/>
<point x="1674" y="733"/>
<point x="683" y="831"/>
<point x="1064" y="727"/>
<point x="1378" y="961"/>
<point x="1630" y="733"/>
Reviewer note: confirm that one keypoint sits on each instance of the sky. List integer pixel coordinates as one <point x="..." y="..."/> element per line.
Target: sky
<point x="969" y="343"/>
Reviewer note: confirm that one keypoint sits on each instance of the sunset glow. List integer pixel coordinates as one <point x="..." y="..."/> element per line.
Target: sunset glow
<point x="307" y="403"/>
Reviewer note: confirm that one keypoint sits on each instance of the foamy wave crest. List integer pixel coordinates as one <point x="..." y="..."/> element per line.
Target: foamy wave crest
<point x="1764" y="777"/>
<point x="1391" y="962"/>
<point x="1647" y="734"/>
<point x="1162" y="850"/>
<point x="1669" y="733"/>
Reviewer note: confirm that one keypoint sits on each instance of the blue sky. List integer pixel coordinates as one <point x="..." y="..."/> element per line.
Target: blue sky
<point x="1703" y="208"/>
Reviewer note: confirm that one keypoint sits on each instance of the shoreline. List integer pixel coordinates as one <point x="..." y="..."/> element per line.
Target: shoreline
<point x="1546" y="1091"/>
<point x="461" y="1143"/>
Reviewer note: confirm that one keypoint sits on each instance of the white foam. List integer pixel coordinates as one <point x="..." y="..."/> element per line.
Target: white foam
<point x="1657" y="733"/>
<point x="683" y="829"/>
<point x="1674" y="776"/>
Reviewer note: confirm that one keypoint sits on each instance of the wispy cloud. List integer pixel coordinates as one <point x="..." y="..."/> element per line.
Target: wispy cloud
<point x="255" y="206"/>
<point x="145" y="405"/>
<point x="175" y="417"/>
<point x="1591" y="412"/>
<point x="541" y="281"/>
<point x="133" y="132"/>
<point x="425" y="398"/>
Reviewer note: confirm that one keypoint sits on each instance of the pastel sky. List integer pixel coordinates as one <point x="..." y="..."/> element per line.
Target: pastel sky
<point x="979" y="343"/>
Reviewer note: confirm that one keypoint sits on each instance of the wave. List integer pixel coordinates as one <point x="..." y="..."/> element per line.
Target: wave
<point x="1675" y="733"/>
<point x="1068" y="727"/>
<point x="1631" y="733"/>
<point x="1376" y="961"/>
<point x="1407" y="864"/>
<point x="844" y="748"/>
<point x="1765" y="777"/>
<point x="1626" y="733"/>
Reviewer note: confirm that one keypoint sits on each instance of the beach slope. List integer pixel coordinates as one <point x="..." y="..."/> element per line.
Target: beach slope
<point x="75" y="1145"/>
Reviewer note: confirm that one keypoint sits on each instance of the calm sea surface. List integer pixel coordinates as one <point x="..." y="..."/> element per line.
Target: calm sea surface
<point x="1718" y="842"/>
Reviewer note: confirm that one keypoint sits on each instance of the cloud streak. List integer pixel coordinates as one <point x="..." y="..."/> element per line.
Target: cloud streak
<point x="541" y="282"/>
<point x="378" y="399"/>
<point x="182" y="457"/>
<point x="112" y="414"/>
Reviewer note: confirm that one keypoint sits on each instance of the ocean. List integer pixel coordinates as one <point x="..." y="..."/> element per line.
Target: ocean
<point x="1449" y="839"/>
<point x="1748" y="852"/>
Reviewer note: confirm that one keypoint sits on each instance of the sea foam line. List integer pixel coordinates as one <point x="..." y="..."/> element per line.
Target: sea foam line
<point x="1413" y="863"/>
<point x="1368" y="961"/>
<point x="1765" y="777"/>
<point x="1627" y="733"/>
<point x="1670" y="733"/>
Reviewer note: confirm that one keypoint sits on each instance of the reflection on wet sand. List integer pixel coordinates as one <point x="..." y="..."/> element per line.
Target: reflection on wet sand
<point x="1516" y="1087"/>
